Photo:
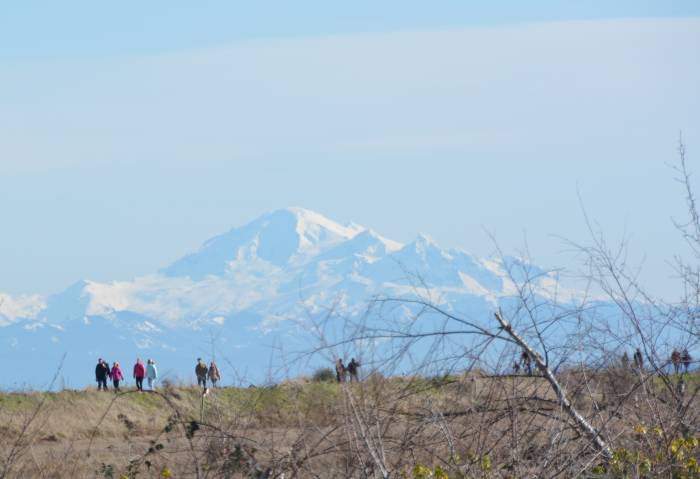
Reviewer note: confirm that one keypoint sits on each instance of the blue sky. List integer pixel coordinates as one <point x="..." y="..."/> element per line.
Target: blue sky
<point x="129" y="134"/>
<point x="33" y="29"/>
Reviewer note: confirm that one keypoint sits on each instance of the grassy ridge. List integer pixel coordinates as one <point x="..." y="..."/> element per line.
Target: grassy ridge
<point x="464" y="423"/>
<point x="80" y="414"/>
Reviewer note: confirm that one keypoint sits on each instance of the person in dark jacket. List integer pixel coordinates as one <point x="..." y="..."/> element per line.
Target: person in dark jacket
<point x="526" y="361"/>
<point x="686" y="359"/>
<point x="676" y="360"/>
<point x="101" y="374"/>
<point x="201" y="371"/>
<point x="638" y="360"/>
<point x="353" y="366"/>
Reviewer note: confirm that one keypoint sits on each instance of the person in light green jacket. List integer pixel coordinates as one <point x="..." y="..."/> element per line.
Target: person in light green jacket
<point x="151" y="374"/>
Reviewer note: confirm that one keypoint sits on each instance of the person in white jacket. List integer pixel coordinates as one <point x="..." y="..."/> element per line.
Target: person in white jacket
<point x="151" y="374"/>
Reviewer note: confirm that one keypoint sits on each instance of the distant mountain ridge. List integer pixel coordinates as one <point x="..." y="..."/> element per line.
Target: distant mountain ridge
<point x="249" y="288"/>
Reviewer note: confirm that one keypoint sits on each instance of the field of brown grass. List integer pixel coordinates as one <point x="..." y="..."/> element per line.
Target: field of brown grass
<point x="455" y="426"/>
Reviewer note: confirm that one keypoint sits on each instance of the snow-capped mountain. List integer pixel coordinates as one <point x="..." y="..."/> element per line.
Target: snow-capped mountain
<point x="242" y="296"/>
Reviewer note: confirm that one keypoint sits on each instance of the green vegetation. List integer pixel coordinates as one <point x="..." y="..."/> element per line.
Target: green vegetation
<point x="324" y="375"/>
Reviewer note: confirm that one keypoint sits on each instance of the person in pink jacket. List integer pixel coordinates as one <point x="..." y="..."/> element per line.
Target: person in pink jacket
<point x="116" y="375"/>
<point x="139" y="373"/>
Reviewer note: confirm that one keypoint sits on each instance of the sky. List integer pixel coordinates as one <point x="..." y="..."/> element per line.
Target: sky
<point x="130" y="133"/>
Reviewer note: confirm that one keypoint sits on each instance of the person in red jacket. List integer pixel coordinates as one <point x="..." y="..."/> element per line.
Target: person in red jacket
<point x="116" y="375"/>
<point x="139" y="374"/>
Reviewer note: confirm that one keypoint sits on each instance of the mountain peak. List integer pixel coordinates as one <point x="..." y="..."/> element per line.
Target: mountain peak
<point x="310" y="222"/>
<point x="424" y="240"/>
<point x="281" y="237"/>
<point x="425" y="246"/>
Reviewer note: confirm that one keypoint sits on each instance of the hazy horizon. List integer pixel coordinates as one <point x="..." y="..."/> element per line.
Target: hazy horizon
<point x="121" y="153"/>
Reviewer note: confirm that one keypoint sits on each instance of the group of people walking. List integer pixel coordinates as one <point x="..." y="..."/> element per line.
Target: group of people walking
<point x="342" y="371"/>
<point x="103" y="373"/>
<point x="205" y="373"/>
<point x="679" y="360"/>
<point x="210" y="374"/>
<point x="149" y="371"/>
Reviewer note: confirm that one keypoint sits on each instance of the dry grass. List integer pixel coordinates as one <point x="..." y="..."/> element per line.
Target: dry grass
<point x="468" y="426"/>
